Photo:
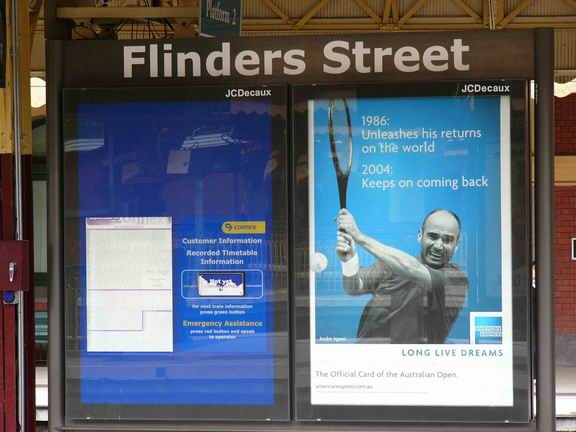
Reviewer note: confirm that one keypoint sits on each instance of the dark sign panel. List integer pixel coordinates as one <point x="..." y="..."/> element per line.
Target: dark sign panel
<point x="318" y="59"/>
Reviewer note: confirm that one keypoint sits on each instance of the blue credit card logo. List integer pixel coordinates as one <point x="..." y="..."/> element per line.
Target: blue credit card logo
<point x="488" y="330"/>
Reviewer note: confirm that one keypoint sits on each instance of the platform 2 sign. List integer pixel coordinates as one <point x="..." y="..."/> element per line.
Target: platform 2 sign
<point x="220" y="18"/>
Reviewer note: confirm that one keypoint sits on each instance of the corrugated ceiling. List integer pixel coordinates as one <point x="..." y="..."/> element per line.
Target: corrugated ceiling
<point x="254" y="9"/>
<point x="565" y="54"/>
<point x="542" y="8"/>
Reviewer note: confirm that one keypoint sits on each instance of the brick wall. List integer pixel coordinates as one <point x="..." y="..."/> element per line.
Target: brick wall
<point x="565" y="201"/>
<point x="565" y="125"/>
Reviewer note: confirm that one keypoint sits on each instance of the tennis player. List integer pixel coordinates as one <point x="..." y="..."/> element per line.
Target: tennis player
<point x="415" y="300"/>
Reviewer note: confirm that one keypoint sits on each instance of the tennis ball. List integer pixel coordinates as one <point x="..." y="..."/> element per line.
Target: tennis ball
<point x="318" y="262"/>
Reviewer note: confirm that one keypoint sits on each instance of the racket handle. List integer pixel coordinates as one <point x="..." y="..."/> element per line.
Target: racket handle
<point x="342" y="187"/>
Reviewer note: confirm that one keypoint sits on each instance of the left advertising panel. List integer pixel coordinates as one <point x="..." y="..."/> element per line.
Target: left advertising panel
<point x="175" y="253"/>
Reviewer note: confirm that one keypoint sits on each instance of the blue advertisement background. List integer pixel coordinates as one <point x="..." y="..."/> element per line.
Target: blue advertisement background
<point x="394" y="216"/>
<point x="222" y="183"/>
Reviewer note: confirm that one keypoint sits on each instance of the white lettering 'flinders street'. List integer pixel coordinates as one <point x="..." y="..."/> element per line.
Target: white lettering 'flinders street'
<point x="406" y="59"/>
<point x="338" y="57"/>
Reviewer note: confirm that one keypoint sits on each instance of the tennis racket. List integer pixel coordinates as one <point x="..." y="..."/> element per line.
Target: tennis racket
<point x="340" y="131"/>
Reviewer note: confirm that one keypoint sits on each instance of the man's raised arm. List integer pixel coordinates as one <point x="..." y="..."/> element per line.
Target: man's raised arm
<point x="400" y="263"/>
<point x="346" y="251"/>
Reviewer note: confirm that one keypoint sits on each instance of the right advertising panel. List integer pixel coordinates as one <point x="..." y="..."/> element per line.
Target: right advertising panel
<point x="411" y="252"/>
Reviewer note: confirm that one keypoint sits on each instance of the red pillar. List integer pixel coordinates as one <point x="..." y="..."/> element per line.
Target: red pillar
<point x="8" y="324"/>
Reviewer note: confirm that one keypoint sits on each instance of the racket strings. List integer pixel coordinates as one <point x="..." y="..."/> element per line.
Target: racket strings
<point x="340" y="131"/>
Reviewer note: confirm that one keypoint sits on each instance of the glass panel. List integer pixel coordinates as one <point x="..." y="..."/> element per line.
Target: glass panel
<point x="39" y="137"/>
<point x="411" y="299"/>
<point x="40" y="226"/>
<point x="175" y="243"/>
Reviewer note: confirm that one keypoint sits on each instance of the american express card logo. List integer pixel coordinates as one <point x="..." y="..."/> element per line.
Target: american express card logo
<point x="488" y="330"/>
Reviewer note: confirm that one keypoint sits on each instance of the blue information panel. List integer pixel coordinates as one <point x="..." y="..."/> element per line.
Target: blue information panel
<point x="414" y="257"/>
<point x="176" y="245"/>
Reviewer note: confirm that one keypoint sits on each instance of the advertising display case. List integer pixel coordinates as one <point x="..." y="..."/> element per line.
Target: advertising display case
<point x="413" y="305"/>
<point x="325" y="233"/>
<point x="176" y="232"/>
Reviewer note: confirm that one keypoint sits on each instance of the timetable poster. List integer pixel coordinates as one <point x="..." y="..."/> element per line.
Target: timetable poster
<point x="410" y="251"/>
<point x="178" y="213"/>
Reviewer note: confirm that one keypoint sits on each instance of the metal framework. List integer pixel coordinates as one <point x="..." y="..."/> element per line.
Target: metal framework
<point x="401" y="15"/>
<point x="298" y="16"/>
